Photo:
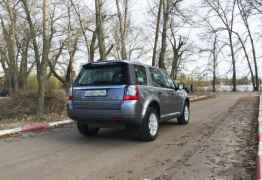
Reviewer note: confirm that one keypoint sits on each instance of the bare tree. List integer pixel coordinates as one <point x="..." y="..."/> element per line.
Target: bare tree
<point x="255" y="4"/>
<point x="70" y="44"/>
<point x="227" y="16"/>
<point x="214" y="69"/>
<point x="24" y="69"/>
<point x="160" y="7"/>
<point x="42" y="66"/>
<point x="177" y="44"/>
<point x="41" y="62"/>
<point x="243" y="46"/>
<point x="245" y="13"/>
<point x="166" y="17"/>
<point x="90" y="45"/>
<point x="213" y="52"/>
<point x="10" y="39"/>
<point x="169" y="7"/>
<point x="123" y="26"/>
<point x="100" y="29"/>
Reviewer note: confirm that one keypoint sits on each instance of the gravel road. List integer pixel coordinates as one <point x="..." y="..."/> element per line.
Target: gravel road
<point x="219" y="143"/>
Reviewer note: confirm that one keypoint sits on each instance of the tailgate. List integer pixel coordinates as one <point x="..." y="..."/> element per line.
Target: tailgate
<point x="98" y="98"/>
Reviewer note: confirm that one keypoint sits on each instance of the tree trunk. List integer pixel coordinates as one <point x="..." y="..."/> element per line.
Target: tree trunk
<point x="126" y="26"/>
<point x="234" y="77"/>
<point x="122" y="29"/>
<point x="41" y="74"/>
<point x="70" y="69"/>
<point x="214" y="64"/>
<point x="7" y="79"/>
<point x="254" y="59"/>
<point x="92" y="48"/>
<point x="244" y="16"/>
<point x="248" y="60"/>
<point x="157" y="32"/>
<point x="100" y="30"/>
<point x="24" y="72"/>
<point x="10" y="38"/>
<point x="161" y="62"/>
<point x="174" y="64"/>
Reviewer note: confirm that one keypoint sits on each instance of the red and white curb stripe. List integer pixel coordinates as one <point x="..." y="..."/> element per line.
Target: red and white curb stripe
<point x="33" y="127"/>
<point x="259" y="154"/>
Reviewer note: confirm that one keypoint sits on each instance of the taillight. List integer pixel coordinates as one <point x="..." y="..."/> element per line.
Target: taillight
<point x="70" y="98"/>
<point x="70" y="95"/>
<point x="132" y="93"/>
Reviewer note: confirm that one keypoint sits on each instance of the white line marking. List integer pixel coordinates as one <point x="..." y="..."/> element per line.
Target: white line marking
<point x="58" y="123"/>
<point x="10" y="131"/>
<point x="18" y="130"/>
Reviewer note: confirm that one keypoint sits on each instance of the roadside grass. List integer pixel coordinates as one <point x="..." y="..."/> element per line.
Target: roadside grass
<point x="22" y="108"/>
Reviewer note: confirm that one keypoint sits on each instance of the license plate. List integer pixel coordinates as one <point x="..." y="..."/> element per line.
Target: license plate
<point x="95" y="93"/>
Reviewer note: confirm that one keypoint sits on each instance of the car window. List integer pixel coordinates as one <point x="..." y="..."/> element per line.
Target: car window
<point x="102" y="75"/>
<point x="140" y="73"/>
<point x="175" y="84"/>
<point x="170" y="83"/>
<point x="158" y="78"/>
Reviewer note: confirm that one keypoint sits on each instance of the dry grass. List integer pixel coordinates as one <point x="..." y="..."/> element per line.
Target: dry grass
<point x="25" y="104"/>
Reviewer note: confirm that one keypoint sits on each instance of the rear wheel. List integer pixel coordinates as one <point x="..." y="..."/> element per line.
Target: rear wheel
<point x="149" y="129"/>
<point x="185" y="116"/>
<point x="85" y="130"/>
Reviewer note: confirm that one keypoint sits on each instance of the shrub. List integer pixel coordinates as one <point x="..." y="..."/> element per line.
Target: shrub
<point x="52" y="83"/>
<point x="25" y="104"/>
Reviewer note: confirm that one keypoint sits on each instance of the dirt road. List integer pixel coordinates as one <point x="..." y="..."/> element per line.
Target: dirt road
<point x="219" y="143"/>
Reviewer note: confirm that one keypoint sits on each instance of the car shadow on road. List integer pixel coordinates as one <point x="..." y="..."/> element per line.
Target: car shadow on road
<point x="130" y="135"/>
<point x="70" y="135"/>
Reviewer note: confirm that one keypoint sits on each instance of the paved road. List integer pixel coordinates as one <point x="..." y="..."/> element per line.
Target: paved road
<point x="62" y="154"/>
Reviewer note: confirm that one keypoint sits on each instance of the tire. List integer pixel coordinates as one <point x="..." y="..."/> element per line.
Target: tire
<point x="185" y="116"/>
<point x="85" y="130"/>
<point x="148" y="131"/>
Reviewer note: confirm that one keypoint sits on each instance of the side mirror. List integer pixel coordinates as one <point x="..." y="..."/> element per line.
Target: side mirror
<point x="187" y="89"/>
<point x="180" y="87"/>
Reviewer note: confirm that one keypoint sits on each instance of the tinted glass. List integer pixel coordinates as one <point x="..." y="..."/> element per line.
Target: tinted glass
<point x="170" y="82"/>
<point x="158" y="78"/>
<point x="103" y="75"/>
<point x="175" y="84"/>
<point x="140" y="73"/>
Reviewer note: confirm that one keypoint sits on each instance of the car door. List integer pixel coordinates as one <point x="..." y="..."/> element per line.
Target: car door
<point x="179" y="96"/>
<point x="174" y="95"/>
<point x="173" y="100"/>
<point x="159" y="84"/>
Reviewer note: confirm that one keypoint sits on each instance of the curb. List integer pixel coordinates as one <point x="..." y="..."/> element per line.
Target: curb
<point x="198" y="98"/>
<point x="43" y="126"/>
<point x="259" y="153"/>
<point x="33" y="127"/>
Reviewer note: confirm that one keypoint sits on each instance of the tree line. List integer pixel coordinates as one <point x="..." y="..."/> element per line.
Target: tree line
<point x="48" y="37"/>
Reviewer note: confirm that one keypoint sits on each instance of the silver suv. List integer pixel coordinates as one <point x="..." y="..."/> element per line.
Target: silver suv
<point x="120" y="93"/>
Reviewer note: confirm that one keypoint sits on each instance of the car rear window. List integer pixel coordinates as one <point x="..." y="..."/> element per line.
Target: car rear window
<point x="103" y="75"/>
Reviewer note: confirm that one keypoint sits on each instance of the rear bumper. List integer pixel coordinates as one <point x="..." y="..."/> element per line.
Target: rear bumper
<point x="130" y="113"/>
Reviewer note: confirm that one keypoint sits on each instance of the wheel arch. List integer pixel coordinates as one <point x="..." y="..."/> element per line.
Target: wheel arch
<point x="185" y="101"/>
<point x="153" y="103"/>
